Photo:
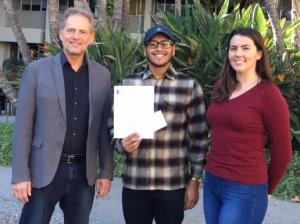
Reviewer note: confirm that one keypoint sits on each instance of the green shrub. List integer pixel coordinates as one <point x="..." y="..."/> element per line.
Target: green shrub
<point x="119" y="52"/>
<point x="6" y="150"/>
<point x="119" y="165"/>
<point x="201" y="51"/>
<point x="5" y="143"/>
<point x="290" y="185"/>
<point x="203" y="38"/>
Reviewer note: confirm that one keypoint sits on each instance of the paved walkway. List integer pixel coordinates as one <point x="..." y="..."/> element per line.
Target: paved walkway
<point x="109" y="209"/>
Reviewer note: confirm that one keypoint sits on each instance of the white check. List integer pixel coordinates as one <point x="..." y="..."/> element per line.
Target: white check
<point x="134" y="112"/>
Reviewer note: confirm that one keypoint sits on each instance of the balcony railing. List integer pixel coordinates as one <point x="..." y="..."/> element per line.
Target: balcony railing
<point x="30" y="19"/>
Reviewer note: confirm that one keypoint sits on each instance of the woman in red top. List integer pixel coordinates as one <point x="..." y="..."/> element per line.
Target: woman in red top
<point x="247" y="110"/>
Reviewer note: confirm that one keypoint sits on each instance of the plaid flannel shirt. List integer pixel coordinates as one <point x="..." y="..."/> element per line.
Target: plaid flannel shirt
<point x="177" y="151"/>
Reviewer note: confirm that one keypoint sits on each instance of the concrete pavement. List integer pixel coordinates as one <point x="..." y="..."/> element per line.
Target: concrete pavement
<point x="109" y="209"/>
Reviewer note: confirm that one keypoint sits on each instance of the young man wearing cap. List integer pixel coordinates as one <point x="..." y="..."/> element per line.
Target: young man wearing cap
<point x="162" y="174"/>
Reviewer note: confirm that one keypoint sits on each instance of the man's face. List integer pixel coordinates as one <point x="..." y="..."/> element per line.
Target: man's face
<point x="76" y="35"/>
<point x="159" y="55"/>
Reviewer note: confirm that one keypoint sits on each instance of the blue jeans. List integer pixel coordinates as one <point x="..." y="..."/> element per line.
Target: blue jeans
<point x="228" y="202"/>
<point x="69" y="187"/>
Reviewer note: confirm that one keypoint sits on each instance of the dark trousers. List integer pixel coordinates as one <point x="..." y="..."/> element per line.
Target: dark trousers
<point x="142" y="206"/>
<point x="69" y="187"/>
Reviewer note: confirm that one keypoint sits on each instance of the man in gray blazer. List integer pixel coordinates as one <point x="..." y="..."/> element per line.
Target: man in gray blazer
<point x="60" y="129"/>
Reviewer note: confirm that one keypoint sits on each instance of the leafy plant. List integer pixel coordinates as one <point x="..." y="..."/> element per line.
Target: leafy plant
<point x="5" y="143"/>
<point x="6" y="130"/>
<point x="13" y="68"/>
<point x="202" y="43"/>
<point x="201" y="51"/>
<point x="119" y="161"/>
<point x="202" y="38"/>
<point x="118" y="51"/>
<point x="290" y="186"/>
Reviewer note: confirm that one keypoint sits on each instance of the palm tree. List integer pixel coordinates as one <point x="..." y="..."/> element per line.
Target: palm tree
<point x="82" y="4"/>
<point x="277" y="32"/>
<point x="7" y="89"/>
<point x="125" y="11"/>
<point x="102" y="13"/>
<point x="178" y="7"/>
<point x="296" y="15"/>
<point x="18" y="33"/>
<point x="53" y="21"/>
<point x="117" y="14"/>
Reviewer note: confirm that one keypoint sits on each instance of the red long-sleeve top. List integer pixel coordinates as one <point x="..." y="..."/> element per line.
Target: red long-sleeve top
<point x="240" y="129"/>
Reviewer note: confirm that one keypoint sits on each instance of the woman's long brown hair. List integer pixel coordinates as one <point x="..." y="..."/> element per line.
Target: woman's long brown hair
<point x="228" y="80"/>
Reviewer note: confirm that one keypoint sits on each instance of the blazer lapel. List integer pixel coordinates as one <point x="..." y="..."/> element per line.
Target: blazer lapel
<point x="58" y="76"/>
<point x="92" y="86"/>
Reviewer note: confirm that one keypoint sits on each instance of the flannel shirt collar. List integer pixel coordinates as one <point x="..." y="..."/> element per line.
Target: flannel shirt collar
<point x="170" y="73"/>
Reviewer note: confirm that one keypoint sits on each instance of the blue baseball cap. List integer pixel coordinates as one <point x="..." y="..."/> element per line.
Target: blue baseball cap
<point x="159" y="29"/>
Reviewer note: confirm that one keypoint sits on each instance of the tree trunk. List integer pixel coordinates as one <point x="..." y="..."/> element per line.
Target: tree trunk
<point x="178" y="7"/>
<point x="18" y="33"/>
<point x="82" y="4"/>
<point x="102" y="19"/>
<point x="277" y="32"/>
<point x="295" y="16"/>
<point x="117" y="15"/>
<point x="125" y="11"/>
<point x="8" y="90"/>
<point x="276" y="4"/>
<point x="53" y="21"/>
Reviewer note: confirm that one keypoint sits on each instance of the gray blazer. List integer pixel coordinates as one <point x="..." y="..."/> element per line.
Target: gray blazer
<point x="41" y="124"/>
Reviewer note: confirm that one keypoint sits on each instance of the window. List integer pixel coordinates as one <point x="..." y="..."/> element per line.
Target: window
<point x="30" y="5"/>
<point x="64" y="4"/>
<point x="36" y="5"/>
<point x="14" y="51"/>
<point x="136" y="7"/>
<point x="44" y="5"/>
<point x="2" y="103"/>
<point x="25" y="5"/>
<point x="35" y="51"/>
<point x="166" y="5"/>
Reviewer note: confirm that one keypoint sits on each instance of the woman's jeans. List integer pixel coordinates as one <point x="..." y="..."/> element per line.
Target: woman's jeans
<point x="228" y="202"/>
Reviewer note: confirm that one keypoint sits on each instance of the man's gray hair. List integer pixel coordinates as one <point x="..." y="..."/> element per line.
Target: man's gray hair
<point x="78" y="11"/>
